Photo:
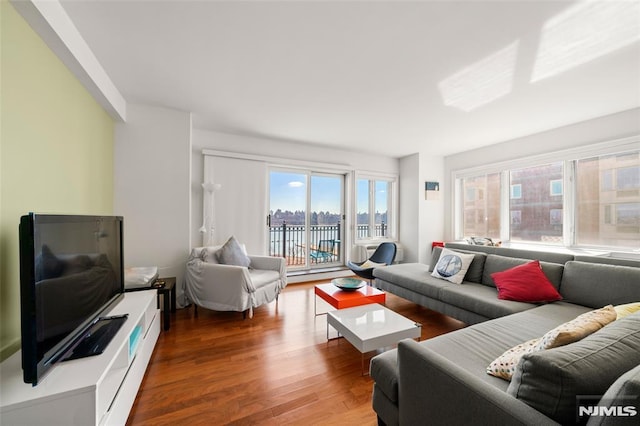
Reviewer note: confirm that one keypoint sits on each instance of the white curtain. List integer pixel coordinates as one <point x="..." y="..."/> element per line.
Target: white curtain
<point x="240" y="204"/>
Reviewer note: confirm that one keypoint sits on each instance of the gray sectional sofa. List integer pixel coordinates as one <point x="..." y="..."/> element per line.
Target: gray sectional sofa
<point x="443" y="380"/>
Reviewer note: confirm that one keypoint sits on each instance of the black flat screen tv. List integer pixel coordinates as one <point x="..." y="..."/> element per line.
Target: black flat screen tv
<point x="71" y="273"/>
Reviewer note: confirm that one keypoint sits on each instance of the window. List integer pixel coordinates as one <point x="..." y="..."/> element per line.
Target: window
<point x="516" y="218"/>
<point x="516" y="191"/>
<point x="481" y="216"/>
<point x="608" y="201"/>
<point x="535" y="203"/>
<point x="374" y="208"/>
<point x="586" y="197"/>
<point x="628" y="178"/>
<point x="306" y="217"/>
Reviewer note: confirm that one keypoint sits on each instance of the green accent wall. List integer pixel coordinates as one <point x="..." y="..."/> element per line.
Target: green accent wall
<point x="56" y="151"/>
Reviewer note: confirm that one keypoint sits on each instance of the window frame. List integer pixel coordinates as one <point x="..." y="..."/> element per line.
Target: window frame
<point x="569" y="157"/>
<point x="392" y="206"/>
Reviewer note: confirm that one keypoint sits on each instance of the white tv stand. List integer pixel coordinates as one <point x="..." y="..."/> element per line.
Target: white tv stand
<point x="98" y="390"/>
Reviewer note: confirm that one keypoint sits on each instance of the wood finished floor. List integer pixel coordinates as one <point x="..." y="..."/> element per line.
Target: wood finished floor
<point x="275" y="369"/>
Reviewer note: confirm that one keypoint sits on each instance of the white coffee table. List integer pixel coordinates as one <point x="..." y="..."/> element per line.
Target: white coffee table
<point x="370" y="327"/>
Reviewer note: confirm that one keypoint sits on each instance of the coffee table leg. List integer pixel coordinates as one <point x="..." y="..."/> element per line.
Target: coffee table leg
<point x="338" y="335"/>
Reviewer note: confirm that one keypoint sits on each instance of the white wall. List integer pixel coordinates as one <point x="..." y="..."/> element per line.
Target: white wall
<point x="152" y="172"/>
<point x="602" y="129"/>
<point x="431" y="219"/>
<point x="410" y="207"/>
<point x="421" y="221"/>
<point x="289" y="152"/>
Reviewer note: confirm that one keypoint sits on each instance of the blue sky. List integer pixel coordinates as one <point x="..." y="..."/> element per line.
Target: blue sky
<point x="288" y="191"/>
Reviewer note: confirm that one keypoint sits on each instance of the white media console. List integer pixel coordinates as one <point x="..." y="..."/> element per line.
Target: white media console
<point x="97" y="390"/>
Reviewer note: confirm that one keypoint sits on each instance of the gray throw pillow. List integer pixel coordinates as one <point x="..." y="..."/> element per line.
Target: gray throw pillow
<point x="549" y="380"/>
<point x="232" y="253"/>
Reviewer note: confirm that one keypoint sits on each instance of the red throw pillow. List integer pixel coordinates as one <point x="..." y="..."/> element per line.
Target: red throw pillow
<point x="525" y="283"/>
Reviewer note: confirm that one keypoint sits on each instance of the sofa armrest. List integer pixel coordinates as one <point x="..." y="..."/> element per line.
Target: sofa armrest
<point x="434" y="389"/>
<point x="271" y="263"/>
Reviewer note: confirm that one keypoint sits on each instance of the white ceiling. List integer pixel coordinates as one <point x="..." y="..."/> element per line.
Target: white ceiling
<point x="389" y="77"/>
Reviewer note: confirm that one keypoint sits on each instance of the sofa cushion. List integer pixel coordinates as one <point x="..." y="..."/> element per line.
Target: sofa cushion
<point x="594" y="285"/>
<point x="495" y="263"/>
<point x="525" y="283"/>
<point x="412" y="276"/>
<point x="452" y="266"/>
<point x="481" y="299"/>
<point x="542" y="256"/>
<point x="550" y="380"/>
<point x="571" y="331"/>
<point x="609" y="260"/>
<point x="473" y="348"/>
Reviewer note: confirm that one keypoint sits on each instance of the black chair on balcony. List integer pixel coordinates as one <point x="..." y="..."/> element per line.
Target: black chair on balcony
<point x="385" y="254"/>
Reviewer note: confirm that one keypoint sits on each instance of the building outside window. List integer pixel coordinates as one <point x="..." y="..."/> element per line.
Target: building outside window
<point x="608" y="200"/>
<point x="481" y="216"/>
<point x="536" y="203"/>
<point x="588" y="201"/>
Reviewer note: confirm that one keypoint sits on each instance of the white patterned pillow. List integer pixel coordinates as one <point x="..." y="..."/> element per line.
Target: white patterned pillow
<point x="505" y="365"/>
<point x="452" y="266"/>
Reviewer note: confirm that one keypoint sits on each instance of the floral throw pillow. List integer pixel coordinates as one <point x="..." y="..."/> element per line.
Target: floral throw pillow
<point x="505" y="365"/>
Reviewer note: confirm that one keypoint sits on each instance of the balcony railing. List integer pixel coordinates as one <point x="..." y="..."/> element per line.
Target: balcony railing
<point x="289" y="241"/>
<point x="379" y="230"/>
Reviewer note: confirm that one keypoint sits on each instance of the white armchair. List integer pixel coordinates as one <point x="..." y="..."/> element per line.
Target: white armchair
<point x="220" y="287"/>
